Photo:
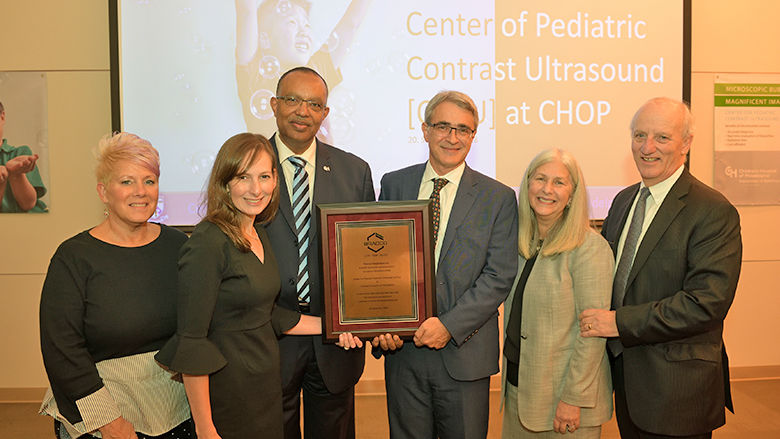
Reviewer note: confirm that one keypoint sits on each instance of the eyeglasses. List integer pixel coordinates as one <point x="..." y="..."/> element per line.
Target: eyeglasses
<point x="293" y="102"/>
<point x="444" y="129"/>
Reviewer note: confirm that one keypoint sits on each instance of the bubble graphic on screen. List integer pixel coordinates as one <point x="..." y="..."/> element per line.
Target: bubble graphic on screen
<point x="269" y="67"/>
<point x="332" y="43"/>
<point x="283" y="7"/>
<point x="372" y="66"/>
<point x="386" y="133"/>
<point x="199" y="45"/>
<point x="200" y="161"/>
<point x="160" y="208"/>
<point x="341" y="127"/>
<point x="159" y="212"/>
<point x="396" y="61"/>
<point x="260" y="104"/>
<point x="342" y="101"/>
<point x="324" y="130"/>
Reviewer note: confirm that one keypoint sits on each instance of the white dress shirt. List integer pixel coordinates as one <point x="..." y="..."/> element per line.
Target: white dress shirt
<point x="288" y="169"/>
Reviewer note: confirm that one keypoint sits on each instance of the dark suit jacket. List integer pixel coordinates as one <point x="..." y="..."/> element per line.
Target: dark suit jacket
<point x="679" y="290"/>
<point x="477" y="266"/>
<point x="340" y="177"/>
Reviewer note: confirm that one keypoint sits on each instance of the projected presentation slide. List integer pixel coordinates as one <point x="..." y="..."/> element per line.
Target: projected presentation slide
<point x="543" y="74"/>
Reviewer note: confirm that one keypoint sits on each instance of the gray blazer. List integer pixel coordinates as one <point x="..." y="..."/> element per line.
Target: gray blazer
<point x="679" y="290"/>
<point x="556" y="363"/>
<point x="340" y="177"/>
<point x="477" y="264"/>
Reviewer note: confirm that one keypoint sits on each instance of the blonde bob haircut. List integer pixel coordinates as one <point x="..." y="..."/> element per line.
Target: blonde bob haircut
<point x="125" y="147"/>
<point x="570" y="230"/>
<point x="235" y="156"/>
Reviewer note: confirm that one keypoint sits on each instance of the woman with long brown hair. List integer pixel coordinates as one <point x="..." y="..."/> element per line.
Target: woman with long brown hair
<point x="225" y="345"/>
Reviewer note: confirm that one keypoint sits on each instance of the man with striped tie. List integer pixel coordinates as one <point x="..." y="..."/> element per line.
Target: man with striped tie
<point x="312" y="173"/>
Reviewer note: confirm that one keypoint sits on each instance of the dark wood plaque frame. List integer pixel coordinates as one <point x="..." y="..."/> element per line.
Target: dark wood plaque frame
<point x="422" y="270"/>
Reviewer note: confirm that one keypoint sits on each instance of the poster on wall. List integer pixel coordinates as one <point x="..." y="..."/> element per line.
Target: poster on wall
<point x="24" y="155"/>
<point x="746" y="137"/>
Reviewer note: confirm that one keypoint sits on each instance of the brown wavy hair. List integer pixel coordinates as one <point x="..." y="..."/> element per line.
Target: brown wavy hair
<point x="235" y="156"/>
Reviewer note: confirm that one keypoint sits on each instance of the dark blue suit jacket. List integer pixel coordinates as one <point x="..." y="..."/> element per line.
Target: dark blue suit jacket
<point x="340" y="177"/>
<point x="679" y="290"/>
<point x="477" y="266"/>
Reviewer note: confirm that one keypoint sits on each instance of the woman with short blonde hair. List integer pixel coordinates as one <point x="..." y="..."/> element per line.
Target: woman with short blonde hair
<point x="109" y="303"/>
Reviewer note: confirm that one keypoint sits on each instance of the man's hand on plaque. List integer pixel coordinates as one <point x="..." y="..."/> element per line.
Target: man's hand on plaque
<point x="349" y="341"/>
<point x="432" y="333"/>
<point x="387" y="342"/>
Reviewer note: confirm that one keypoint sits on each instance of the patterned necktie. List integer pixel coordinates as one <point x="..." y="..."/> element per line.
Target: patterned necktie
<point x="627" y="260"/>
<point x="302" y="214"/>
<point x="438" y="183"/>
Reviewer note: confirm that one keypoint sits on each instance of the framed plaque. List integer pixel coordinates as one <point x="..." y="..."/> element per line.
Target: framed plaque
<point x="378" y="270"/>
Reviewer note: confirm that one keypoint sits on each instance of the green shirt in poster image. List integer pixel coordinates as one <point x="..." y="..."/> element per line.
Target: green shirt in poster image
<point x="9" y="204"/>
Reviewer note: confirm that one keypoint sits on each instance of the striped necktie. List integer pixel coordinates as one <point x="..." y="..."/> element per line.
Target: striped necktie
<point x="438" y="184"/>
<point x="627" y="261"/>
<point x="302" y="214"/>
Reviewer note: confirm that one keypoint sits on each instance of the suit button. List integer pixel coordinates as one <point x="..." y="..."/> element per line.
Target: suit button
<point x="292" y="281"/>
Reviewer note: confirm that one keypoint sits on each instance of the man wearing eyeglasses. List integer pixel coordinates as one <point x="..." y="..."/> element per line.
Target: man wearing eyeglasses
<point x="313" y="172"/>
<point x="439" y="386"/>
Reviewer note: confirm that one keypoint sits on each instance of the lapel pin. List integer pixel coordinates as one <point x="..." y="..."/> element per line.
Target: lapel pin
<point x="326" y="168"/>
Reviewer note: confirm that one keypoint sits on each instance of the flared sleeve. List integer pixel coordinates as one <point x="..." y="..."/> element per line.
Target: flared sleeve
<point x="283" y="319"/>
<point x="203" y="262"/>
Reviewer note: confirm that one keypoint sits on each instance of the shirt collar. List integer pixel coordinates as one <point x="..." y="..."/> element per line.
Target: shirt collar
<point x="659" y="190"/>
<point x="6" y="147"/>
<point x="285" y="152"/>
<point x="453" y="177"/>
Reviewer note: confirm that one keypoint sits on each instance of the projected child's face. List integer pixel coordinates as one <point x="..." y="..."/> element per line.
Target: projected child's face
<point x="290" y="36"/>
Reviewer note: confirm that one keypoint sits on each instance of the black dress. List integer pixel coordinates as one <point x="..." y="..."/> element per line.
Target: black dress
<point x="100" y="302"/>
<point x="227" y="326"/>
